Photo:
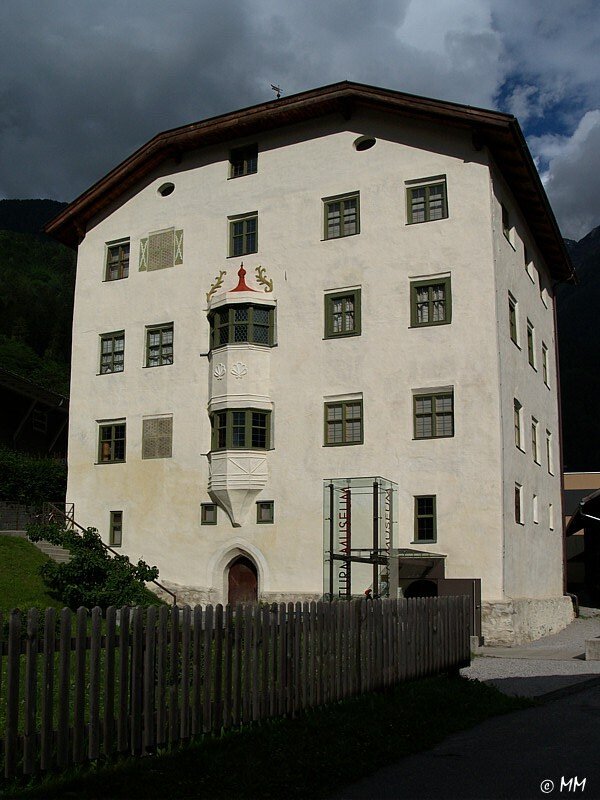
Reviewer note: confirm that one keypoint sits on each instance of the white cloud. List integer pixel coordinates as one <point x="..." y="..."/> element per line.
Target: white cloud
<point x="571" y="175"/>
<point x="83" y="83"/>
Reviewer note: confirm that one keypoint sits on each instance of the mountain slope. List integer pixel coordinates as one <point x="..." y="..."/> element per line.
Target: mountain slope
<point x="578" y="312"/>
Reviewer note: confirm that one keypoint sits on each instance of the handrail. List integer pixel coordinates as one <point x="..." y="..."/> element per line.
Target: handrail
<point x="71" y="520"/>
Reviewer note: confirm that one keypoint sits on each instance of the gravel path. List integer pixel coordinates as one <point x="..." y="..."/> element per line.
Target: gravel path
<point x="547" y="665"/>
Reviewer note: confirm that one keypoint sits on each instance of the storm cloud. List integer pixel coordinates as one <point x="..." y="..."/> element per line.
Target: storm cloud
<point x="83" y="83"/>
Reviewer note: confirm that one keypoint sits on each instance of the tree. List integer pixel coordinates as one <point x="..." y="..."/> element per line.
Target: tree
<point x="93" y="576"/>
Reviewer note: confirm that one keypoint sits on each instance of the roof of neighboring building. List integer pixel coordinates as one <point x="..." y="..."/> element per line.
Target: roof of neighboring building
<point x="27" y="388"/>
<point x="499" y="132"/>
<point x="587" y="514"/>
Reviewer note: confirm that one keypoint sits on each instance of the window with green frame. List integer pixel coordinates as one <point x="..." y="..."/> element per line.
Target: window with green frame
<point x="433" y="415"/>
<point x="242" y="323"/>
<point x="243" y="234"/>
<point x="265" y="512"/>
<point x="115" y="536"/>
<point x="241" y="428"/>
<point x="159" y="345"/>
<point x="111" y="442"/>
<point x="430" y="302"/>
<point x="512" y="319"/>
<point x="342" y="215"/>
<point x="112" y="352"/>
<point x="342" y="314"/>
<point x="117" y="261"/>
<point x="208" y="514"/>
<point x="427" y="201"/>
<point x="425" y="518"/>
<point x="531" y="344"/>
<point x="344" y="422"/>
<point x="243" y="161"/>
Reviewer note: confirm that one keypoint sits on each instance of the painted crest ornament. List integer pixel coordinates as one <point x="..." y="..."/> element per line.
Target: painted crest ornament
<point x="261" y="277"/>
<point x="238" y="370"/>
<point x="216" y="285"/>
<point x="220" y="371"/>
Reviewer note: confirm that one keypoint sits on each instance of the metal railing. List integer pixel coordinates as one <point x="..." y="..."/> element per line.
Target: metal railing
<point x="52" y="513"/>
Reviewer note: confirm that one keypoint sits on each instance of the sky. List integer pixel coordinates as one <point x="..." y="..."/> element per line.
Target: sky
<point x="83" y="83"/>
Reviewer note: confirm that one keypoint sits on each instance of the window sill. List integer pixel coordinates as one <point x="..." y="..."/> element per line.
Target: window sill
<point x="520" y="449"/>
<point x="112" y="372"/>
<point x="337" y="238"/>
<point x="114" y="280"/>
<point x="241" y="255"/>
<point x="424" y="541"/>
<point x="245" y="175"/>
<point x="107" y="463"/>
<point x="240" y="345"/>
<point x="535" y="461"/>
<point x="429" y="438"/>
<point x="429" y="324"/>
<point x="532" y="366"/>
<point x="423" y="221"/>
<point x="155" y="366"/>
<point x="341" y="444"/>
<point x="329" y="336"/>
<point x="516" y="344"/>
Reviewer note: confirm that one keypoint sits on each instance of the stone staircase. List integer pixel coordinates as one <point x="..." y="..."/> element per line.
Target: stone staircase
<point x="54" y="552"/>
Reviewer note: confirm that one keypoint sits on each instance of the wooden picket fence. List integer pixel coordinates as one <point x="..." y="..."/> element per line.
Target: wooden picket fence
<point x="77" y="687"/>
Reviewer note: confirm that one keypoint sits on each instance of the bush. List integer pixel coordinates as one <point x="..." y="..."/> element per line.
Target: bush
<point x="93" y="576"/>
<point x="30" y="480"/>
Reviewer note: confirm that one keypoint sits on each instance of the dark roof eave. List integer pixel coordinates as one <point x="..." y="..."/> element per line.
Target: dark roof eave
<point x="498" y="131"/>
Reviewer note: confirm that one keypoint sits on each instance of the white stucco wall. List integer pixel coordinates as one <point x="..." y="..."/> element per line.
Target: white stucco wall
<point x="298" y="166"/>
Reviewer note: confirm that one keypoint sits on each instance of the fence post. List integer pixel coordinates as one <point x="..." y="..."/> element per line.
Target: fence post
<point x="79" y="703"/>
<point x="12" y="688"/>
<point x="95" y="645"/>
<point x="64" y="689"/>
<point x="47" y="693"/>
<point x="109" y="680"/>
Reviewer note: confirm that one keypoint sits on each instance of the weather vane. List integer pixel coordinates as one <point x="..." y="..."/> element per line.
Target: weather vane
<point x="277" y="90"/>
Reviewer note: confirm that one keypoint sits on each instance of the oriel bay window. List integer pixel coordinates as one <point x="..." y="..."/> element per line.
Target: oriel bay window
<point x="244" y="429"/>
<point x="242" y="323"/>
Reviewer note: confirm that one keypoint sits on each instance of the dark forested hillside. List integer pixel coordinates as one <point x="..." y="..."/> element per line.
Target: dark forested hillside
<point x="579" y="348"/>
<point x="37" y="278"/>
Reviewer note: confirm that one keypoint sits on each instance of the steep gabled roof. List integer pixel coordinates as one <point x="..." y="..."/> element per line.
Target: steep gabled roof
<point x="499" y="132"/>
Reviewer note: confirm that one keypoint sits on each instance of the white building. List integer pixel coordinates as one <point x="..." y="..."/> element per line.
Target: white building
<point x="395" y="319"/>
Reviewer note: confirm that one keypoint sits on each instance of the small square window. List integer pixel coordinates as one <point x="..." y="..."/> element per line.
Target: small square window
<point x="159" y="345"/>
<point x="430" y="302"/>
<point x="342" y="215"/>
<point x="265" y="512"/>
<point x="342" y="314"/>
<point x="243" y="234"/>
<point x="111" y="442"/>
<point x="243" y="161"/>
<point x="427" y="202"/>
<point x="116" y="529"/>
<point x="433" y="415"/>
<point x="425" y="519"/>
<point x="117" y="261"/>
<point x="112" y="352"/>
<point x="208" y="514"/>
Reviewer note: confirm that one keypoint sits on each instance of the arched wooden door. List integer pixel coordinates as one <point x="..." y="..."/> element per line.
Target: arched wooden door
<point x="243" y="581"/>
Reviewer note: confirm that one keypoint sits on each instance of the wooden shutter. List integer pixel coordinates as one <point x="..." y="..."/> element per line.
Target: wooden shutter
<point x="157" y="437"/>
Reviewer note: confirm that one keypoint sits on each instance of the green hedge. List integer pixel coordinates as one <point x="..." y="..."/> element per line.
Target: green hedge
<point x="30" y="480"/>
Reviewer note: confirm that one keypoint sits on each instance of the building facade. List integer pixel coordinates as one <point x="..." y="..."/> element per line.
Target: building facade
<point x="345" y="283"/>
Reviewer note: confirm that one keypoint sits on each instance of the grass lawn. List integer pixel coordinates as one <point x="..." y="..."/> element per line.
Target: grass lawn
<point x="20" y="583"/>
<point x="309" y="757"/>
